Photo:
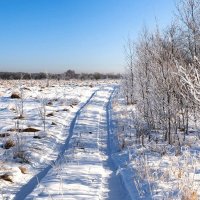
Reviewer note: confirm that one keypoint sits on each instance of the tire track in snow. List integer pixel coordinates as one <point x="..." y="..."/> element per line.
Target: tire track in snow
<point x="26" y="189"/>
<point x="125" y="174"/>
<point x="118" y="190"/>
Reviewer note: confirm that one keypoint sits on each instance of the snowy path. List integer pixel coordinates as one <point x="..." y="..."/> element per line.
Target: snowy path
<point x="85" y="169"/>
<point x="29" y="187"/>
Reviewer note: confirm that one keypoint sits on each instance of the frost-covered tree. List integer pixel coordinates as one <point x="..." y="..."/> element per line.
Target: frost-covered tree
<point x="162" y="73"/>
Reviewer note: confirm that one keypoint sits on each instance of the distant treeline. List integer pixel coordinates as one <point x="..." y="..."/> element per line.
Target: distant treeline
<point x="70" y="74"/>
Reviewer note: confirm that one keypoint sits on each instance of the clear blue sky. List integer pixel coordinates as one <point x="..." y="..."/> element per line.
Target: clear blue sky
<point x="84" y="35"/>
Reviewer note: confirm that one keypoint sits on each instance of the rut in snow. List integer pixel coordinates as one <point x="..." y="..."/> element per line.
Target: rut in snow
<point x="29" y="187"/>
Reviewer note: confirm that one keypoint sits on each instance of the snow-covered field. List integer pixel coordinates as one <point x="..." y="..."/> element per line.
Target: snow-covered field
<point x="76" y="140"/>
<point x="53" y="141"/>
<point x="83" y="171"/>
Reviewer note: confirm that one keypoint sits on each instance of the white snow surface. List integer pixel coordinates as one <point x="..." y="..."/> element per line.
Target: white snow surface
<point x="84" y="170"/>
<point x="72" y="157"/>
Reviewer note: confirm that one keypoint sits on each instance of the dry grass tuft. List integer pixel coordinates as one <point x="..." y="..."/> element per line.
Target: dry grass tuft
<point x="9" y="143"/>
<point x="19" y="117"/>
<point x="15" y="96"/>
<point x="30" y="129"/>
<point x="189" y="195"/>
<point x="65" y="109"/>
<point x="49" y="103"/>
<point x="50" y="114"/>
<point x="182" y="129"/>
<point x="2" y="135"/>
<point x="23" y="170"/>
<point x="25" y="88"/>
<point x="74" y="102"/>
<point x="180" y="173"/>
<point x="36" y="137"/>
<point x="6" y="177"/>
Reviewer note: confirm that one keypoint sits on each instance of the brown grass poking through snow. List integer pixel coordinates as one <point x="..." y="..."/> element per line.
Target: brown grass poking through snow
<point x="50" y="114"/>
<point x="65" y="109"/>
<point x="2" y="135"/>
<point x="189" y="195"/>
<point x="19" y="117"/>
<point x="9" y="143"/>
<point x="23" y="170"/>
<point x="15" y="96"/>
<point x="30" y="129"/>
<point x="6" y="177"/>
